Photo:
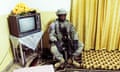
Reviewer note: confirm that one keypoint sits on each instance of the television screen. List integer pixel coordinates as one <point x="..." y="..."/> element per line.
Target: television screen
<point x="27" y="24"/>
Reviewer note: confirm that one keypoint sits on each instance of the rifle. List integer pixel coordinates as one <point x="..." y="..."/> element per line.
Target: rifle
<point x="67" y="42"/>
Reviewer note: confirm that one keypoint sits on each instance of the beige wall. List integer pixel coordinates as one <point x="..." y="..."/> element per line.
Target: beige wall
<point x="5" y="51"/>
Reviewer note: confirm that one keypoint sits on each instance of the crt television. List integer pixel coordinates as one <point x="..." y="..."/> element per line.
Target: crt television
<point x="24" y="25"/>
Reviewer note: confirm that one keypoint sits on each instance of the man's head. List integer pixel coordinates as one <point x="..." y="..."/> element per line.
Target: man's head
<point x="61" y="13"/>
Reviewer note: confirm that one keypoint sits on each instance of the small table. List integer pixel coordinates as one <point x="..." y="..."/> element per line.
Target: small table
<point x="31" y="41"/>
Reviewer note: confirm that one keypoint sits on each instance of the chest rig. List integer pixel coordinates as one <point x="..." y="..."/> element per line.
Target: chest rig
<point x="62" y="29"/>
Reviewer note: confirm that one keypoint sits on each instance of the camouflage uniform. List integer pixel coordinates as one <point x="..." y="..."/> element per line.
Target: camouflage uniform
<point x="56" y="35"/>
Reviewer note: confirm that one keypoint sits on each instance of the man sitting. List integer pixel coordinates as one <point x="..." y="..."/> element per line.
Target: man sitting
<point x="63" y="37"/>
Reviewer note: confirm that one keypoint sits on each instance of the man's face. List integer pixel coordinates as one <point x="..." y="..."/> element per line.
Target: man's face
<point x="62" y="17"/>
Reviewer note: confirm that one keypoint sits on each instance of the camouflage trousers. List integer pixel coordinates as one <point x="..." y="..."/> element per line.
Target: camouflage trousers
<point x="58" y="55"/>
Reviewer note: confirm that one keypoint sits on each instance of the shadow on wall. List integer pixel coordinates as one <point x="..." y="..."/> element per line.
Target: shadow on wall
<point x="45" y="38"/>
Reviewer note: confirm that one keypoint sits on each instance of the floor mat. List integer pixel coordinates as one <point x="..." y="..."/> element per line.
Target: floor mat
<point x="101" y="60"/>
